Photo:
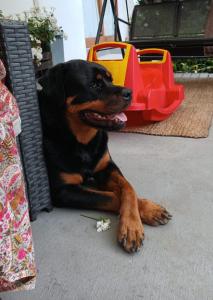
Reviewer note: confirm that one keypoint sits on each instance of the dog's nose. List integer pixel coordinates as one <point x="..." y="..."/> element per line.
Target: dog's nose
<point x="127" y="94"/>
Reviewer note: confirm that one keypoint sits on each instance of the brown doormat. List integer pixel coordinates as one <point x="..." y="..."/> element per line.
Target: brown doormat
<point x="192" y="119"/>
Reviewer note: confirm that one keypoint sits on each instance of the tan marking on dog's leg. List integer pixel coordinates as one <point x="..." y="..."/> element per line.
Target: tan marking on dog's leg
<point x="112" y="206"/>
<point x="152" y="213"/>
<point x="71" y="178"/>
<point x="130" y="230"/>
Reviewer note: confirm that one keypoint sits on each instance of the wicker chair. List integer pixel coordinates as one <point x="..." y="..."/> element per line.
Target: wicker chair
<point x="15" y="51"/>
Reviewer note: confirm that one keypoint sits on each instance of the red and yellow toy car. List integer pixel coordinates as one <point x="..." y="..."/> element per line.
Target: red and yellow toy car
<point x="155" y="94"/>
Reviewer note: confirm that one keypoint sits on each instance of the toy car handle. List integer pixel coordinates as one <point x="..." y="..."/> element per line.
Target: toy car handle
<point x="92" y="52"/>
<point x="153" y="51"/>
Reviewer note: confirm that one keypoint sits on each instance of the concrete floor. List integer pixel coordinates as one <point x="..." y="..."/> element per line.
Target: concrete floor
<point x="77" y="263"/>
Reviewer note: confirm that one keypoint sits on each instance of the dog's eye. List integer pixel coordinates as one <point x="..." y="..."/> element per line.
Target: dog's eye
<point x="96" y="85"/>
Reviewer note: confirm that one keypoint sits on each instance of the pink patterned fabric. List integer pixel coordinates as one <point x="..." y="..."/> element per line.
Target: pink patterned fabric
<point x="17" y="265"/>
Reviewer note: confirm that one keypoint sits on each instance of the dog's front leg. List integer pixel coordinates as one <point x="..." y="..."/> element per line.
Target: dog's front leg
<point x="130" y="231"/>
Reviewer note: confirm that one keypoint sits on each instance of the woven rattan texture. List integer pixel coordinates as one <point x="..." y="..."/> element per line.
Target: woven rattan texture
<point x="15" y="51"/>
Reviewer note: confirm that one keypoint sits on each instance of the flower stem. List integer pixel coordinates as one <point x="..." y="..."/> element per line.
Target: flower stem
<point x="89" y="217"/>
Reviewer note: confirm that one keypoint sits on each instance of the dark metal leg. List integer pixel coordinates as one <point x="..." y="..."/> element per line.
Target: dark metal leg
<point x="127" y="11"/>
<point x="117" y="28"/>
<point x="100" y="25"/>
<point x="117" y="33"/>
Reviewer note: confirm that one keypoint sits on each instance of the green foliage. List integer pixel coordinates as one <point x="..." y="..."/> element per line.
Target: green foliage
<point x="194" y="65"/>
<point x="40" y="30"/>
<point x="42" y="26"/>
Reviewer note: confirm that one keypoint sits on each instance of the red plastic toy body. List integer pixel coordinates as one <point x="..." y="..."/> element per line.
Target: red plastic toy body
<point x="155" y="94"/>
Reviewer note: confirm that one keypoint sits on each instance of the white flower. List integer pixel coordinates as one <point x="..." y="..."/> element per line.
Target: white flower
<point x="37" y="54"/>
<point x="103" y="224"/>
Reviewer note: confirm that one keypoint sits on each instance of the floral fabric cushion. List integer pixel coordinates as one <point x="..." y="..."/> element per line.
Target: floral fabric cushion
<point x="17" y="265"/>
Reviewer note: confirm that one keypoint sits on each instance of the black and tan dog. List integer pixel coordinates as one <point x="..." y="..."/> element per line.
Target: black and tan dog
<point x="78" y="105"/>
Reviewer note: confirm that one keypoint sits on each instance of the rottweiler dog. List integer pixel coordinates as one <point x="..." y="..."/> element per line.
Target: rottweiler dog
<point x="79" y="104"/>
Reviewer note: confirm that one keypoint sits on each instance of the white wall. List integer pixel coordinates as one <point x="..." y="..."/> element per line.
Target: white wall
<point x="69" y="14"/>
<point x="91" y="18"/>
<point x="12" y="7"/>
<point x="123" y="15"/>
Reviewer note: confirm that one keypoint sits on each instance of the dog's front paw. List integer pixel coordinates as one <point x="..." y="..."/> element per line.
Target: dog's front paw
<point x="130" y="233"/>
<point x="152" y="213"/>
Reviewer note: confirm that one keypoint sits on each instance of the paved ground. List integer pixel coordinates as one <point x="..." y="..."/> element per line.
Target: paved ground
<point x="176" y="263"/>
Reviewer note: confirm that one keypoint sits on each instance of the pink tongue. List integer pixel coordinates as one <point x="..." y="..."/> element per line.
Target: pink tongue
<point x="122" y="117"/>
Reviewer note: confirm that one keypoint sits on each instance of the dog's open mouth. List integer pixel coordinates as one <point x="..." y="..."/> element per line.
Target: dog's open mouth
<point x="107" y="121"/>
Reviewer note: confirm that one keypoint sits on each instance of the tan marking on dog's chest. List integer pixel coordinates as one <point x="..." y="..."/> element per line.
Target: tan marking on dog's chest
<point x="102" y="164"/>
<point x="71" y="178"/>
<point x="83" y="133"/>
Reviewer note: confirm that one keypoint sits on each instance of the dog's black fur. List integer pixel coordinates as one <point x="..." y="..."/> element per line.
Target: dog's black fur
<point x="63" y="151"/>
<point x="78" y="104"/>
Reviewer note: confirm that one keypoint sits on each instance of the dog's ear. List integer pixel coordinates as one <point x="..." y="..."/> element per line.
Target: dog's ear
<point x="52" y="82"/>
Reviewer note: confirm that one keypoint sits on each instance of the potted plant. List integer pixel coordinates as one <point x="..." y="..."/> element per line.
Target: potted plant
<point x="43" y="30"/>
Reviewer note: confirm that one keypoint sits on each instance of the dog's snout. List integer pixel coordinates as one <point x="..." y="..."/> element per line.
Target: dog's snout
<point x="127" y="94"/>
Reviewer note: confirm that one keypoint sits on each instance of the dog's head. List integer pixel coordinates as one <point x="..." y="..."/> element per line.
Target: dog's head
<point x="85" y="89"/>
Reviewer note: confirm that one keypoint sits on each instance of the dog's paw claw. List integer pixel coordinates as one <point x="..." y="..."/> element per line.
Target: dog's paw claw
<point x="154" y="214"/>
<point x="131" y="235"/>
<point x="122" y="242"/>
<point x="162" y="221"/>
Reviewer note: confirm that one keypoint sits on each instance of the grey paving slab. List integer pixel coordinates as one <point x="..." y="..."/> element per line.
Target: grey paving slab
<point x="77" y="263"/>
